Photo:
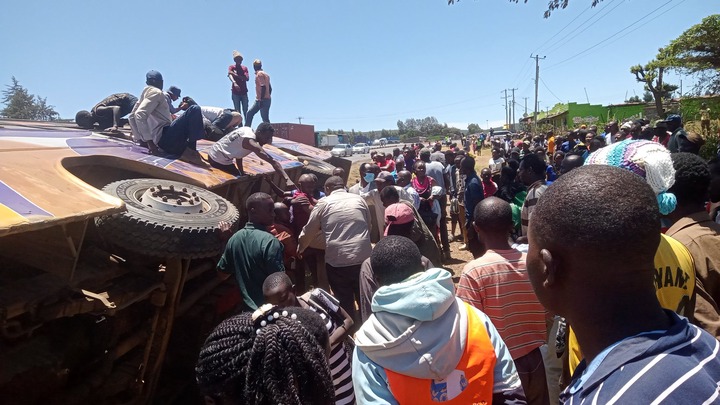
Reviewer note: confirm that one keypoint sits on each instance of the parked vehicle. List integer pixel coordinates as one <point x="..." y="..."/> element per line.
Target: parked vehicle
<point x="328" y="141"/>
<point x="380" y="141"/>
<point x="342" y="149"/>
<point x="361" y="148"/>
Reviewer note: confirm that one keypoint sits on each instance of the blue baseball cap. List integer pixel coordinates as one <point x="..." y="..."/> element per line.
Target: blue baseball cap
<point x="174" y="90"/>
<point x="673" y="118"/>
<point x="153" y="75"/>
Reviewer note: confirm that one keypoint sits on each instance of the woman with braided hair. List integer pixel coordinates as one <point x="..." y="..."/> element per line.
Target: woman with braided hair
<point x="272" y="356"/>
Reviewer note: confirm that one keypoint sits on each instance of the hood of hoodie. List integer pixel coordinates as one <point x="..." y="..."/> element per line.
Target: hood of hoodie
<point x="418" y="328"/>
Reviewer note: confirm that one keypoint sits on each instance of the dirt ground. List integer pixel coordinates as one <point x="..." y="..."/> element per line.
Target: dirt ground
<point x="458" y="257"/>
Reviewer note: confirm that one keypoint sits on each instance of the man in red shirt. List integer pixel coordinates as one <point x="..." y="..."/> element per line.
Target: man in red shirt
<point x="239" y="76"/>
<point x="489" y="186"/>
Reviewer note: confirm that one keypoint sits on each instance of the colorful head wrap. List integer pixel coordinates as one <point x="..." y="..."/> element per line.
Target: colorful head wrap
<point x="647" y="159"/>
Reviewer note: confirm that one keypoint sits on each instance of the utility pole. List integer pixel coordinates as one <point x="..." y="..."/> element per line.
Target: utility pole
<point x="300" y="120"/>
<point x="537" y="79"/>
<point x="525" y="105"/>
<point x="513" y="109"/>
<point x="507" y="110"/>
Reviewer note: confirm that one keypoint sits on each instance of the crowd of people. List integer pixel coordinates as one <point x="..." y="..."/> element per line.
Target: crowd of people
<point x="167" y="130"/>
<point x="595" y="277"/>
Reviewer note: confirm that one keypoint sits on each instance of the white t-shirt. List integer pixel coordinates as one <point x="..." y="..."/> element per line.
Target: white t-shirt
<point x="230" y="147"/>
<point x="211" y="113"/>
<point x="495" y="165"/>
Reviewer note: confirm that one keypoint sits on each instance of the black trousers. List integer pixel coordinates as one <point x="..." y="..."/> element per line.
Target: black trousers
<point x="345" y="285"/>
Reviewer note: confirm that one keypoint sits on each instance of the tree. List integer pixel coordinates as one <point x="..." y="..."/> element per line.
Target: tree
<point x="20" y="104"/>
<point x="648" y="97"/>
<point x="652" y="76"/>
<point x="633" y="99"/>
<point x="697" y="52"/>
<point x="552" y="5"/>
<point x="473" y="128"/>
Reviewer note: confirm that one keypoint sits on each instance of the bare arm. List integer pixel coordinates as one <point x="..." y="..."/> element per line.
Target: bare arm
<point x="342" y="330"/>
<point x="253" y="146"/>
<point x="278" y="191"/>
<point x="115" y="112"/>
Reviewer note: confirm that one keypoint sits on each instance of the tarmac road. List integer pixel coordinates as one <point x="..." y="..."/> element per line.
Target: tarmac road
<point x="357" y="157"/>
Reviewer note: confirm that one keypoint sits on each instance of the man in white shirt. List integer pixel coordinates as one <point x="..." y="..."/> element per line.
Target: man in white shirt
<point x="343" y="218"/>
<point x="233" y="147"/>
<point x="496" y="162"/>
<point x="152" y="124"/>
<point x="404" y="178"/>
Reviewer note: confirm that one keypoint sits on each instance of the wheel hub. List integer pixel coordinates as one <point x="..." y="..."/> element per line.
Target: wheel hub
<point x="169" y="199"/>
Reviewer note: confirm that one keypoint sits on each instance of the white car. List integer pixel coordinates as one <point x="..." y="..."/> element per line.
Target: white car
<point x="342" y="149"/>
<point x="361" y="148"/>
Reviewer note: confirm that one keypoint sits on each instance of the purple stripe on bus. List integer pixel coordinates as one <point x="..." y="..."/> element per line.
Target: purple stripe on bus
<point x="21" y="205"/>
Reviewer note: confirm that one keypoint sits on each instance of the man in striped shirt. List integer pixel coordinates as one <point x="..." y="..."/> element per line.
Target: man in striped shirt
<point x="497" y="284"/>
<point x="635" y="351"/>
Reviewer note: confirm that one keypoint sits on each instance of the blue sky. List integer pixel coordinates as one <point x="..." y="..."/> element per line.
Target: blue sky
<point x="342" y="64"/>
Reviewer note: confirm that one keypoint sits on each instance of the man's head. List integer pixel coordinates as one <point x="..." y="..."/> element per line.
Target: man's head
<point x="394" y="259"/>
<point x="278" y="290"/>
<point x="467" y="165"/>
<point x="154" y="78"/>
<point x="379" y="158"/>
<point x="84" y="119"/>
<point x="389" y="196"/>
<point x="532" y="169"/>
<point x="307" y="183"/>
<point x="558" y="157"/>
<point x="496" y="153"/>
<point x="425" y="155"/>
<point x="437" y="147"/>
<point x="514" y="153"/>
<point x="691" y="143"/>
<point x="264" y="133"/>
<point x="339" y="171"/>
<point x="486" y="175"/>
<point x="399" y="163"/>
<point x="596" y="143"/>
<point x="282" y="213"/>
<point x="384" y="179"/>
<point x="492" y="218"/>
<point x="618" y="239"/>
<point x="174" y="93"/>
<point x="237" y="57"/>
<point x="260" y="208"/>
<point x="396" y="152"/>
<point x="571" y="162"/>
<point x="673" y="122"/>
<point x="692" y="180"/>
<point x="404" y="178"/>
<point x="399" y="219"/>
<point x="334" y="183"/>
<point x="257" y="65"/>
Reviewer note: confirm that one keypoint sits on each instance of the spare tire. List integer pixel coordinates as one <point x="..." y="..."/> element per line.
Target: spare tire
<point x="167" y="219"/>
<point x="322" y="170"/>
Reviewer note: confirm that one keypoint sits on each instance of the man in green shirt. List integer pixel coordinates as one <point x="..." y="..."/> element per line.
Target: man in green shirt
<point x="252" y="253"/>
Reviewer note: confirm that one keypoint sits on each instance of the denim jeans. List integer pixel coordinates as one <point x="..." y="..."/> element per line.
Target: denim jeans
<point x="240" y="101"/>
<point x="223" y="119"/>
<point x="263" y="106"/>
<point x="183" y="133"/>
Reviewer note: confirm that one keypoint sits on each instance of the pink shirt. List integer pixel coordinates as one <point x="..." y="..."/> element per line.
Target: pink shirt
<point x="497" y="284"/>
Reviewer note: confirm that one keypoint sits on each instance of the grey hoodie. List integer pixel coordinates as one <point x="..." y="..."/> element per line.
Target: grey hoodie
<point x="419" y="328"/>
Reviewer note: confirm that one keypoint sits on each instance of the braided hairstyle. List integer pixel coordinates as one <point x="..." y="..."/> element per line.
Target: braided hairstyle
<point x="282" y="360"/>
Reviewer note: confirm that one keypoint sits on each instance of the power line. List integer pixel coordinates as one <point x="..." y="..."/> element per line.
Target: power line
<point x="587" y="25"/>
<point x="611" y="36"/>
<point x="561" y="29"/>
<point x="548" y="89"/>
